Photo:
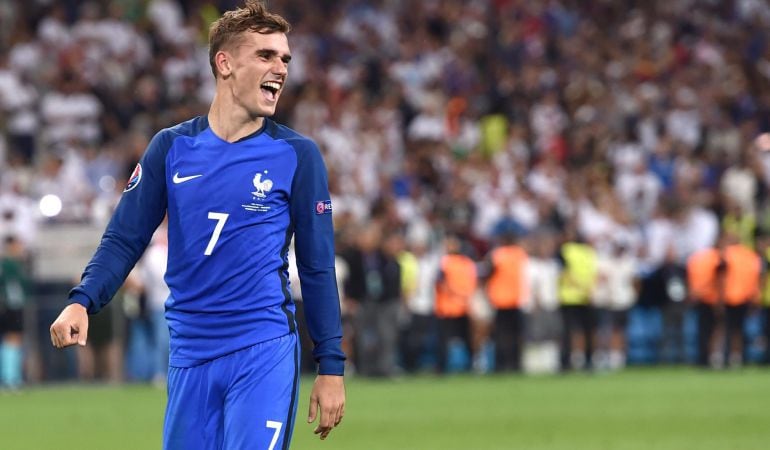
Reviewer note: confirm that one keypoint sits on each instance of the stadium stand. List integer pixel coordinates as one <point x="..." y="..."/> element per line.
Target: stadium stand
<point x="632" y="122"/>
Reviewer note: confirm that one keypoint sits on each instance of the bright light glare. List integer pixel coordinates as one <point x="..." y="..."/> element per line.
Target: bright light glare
<point x="107" y="183"/>
<point x="50" y="205"/>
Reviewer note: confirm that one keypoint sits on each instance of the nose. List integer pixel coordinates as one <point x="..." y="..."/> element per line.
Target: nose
<point x="280" y="68"/>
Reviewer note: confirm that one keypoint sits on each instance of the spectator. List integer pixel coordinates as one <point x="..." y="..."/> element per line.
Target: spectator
<point x="148" y="345"/>
<point x="739" y="184"/>
<point x="614" y="296"/>
<point x="665" y="288"/>
<point x="18" y="213"/>
<point x="18" y="98"/>
<point x="70" y="113"/>
<point x="14" y="294"/>
<point x="543" y="324"/>
<point x="420" y="332"/>
<point x="374" y="294"/>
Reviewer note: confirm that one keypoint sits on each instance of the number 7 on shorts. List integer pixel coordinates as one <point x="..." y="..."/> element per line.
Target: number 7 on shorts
<point x="277" y="426"/>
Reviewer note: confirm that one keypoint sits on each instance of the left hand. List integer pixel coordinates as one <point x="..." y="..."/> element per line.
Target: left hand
<point x="328" y="397"/>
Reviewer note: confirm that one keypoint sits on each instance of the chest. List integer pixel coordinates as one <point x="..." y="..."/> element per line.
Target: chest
<point x="253" y="177"/>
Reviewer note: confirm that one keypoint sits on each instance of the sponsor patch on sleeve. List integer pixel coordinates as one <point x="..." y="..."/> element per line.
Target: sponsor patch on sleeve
<point x="323" y="207"/>
<point x="136" y="177"/>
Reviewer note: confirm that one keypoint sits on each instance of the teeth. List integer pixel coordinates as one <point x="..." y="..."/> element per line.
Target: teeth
<point x="272" y="85"/>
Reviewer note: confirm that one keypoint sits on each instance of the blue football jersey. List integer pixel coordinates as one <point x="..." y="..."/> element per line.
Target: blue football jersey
<point x="232" y="211"/>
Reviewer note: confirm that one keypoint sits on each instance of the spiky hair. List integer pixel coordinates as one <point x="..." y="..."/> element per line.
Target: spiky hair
<point x="253" y="16"/>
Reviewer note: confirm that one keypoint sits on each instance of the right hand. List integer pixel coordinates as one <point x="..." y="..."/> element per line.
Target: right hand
<point x="327" y="402"/>
<point x="71" y="327"/>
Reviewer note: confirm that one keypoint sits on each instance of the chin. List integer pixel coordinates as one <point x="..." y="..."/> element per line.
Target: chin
<point x="267" y="110"/>
<point x="262" y="112"/>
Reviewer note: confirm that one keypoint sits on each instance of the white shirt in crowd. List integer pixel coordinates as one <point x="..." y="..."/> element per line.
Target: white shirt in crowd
<point x="543" y="280"/>
<point x="152" y="269"/>
<point x="423" y="299"/>
<point x="615" y="285"/>
<point x="71" y="116"/>
<point x="698" y="231"/>
<point x="740" y="184"/>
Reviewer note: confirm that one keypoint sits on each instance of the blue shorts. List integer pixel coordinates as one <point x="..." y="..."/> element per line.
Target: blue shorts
<point x="244" y="400"/>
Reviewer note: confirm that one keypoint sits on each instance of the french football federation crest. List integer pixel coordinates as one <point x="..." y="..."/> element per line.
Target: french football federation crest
<point x="136" y="177"/>
<point x="261" y="186"/>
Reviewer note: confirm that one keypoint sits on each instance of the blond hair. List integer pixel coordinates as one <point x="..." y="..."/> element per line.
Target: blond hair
<point x="253" y="16"/>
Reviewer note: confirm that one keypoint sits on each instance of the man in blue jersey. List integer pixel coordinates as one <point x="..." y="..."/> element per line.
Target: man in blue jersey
<point x="236" y="187"/>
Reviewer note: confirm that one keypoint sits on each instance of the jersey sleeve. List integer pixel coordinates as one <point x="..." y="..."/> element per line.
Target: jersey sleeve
<point x="314" y="248"/>
<point x="139" y="212"/>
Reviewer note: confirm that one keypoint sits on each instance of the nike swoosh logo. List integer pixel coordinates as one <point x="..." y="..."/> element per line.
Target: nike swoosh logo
<point x="177" y="179"/>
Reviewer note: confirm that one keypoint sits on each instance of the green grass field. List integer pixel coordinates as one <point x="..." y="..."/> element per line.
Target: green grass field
<point x="650" y="409"/>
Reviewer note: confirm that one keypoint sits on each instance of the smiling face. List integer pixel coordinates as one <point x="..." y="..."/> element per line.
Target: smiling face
<point x="253" y="71"/>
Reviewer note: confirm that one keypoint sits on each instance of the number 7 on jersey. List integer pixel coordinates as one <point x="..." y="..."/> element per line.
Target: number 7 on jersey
<point x="221" y="218"/>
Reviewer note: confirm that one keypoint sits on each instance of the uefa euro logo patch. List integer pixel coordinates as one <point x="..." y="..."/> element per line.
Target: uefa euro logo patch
<point x="136" y="177"/>
<point x="323" y="207"/>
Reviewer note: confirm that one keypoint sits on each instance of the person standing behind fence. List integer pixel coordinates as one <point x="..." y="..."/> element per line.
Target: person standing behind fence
<point x="152" y="268"/>
<point x="373" y="292"/>
<point x="506" y="288"/>
<point x="723" y="281"/>
<point x="576" y="287"/>
<point x="389" y="305"/>
<point x="14" y="288"/>
<point x="456" y="284"/>
<point x="741" y="290"/>
<point x="615" y="295"/>
<point x="543" y="324"/>
<point x="702" y="269"/>
<point x="665" y="288"/>
<point x="420" y="304"/>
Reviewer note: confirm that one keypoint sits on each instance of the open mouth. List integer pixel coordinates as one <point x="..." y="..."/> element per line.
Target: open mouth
<point x="271" y="89"/>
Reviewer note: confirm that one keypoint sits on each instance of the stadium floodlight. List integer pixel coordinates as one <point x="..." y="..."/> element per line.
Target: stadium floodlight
<point x="50" y="205"/>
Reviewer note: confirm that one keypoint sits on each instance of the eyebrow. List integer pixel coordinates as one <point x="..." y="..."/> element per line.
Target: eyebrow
<point x="269" y="53"/>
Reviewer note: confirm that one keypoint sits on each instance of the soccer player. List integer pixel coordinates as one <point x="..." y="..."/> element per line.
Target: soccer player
<point x="236" y="186"/>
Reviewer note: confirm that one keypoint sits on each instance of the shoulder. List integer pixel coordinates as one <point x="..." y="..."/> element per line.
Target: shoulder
<point x="745" y="252"/>
<point x="702" y="255"/>
<point x="189" y="128"/>
<point x="303" y="145"/>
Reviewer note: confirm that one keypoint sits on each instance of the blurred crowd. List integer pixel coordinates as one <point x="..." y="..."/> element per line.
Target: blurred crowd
<point x="449" y="127"/>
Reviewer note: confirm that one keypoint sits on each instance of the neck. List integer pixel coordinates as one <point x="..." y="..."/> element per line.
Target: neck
<point x="231" y="121"/>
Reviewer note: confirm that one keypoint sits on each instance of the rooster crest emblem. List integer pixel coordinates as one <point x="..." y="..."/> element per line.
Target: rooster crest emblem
<point x="261" y="186"/>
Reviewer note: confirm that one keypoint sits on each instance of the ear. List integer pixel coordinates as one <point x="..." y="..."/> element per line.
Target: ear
<point x="222" y="61"/>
